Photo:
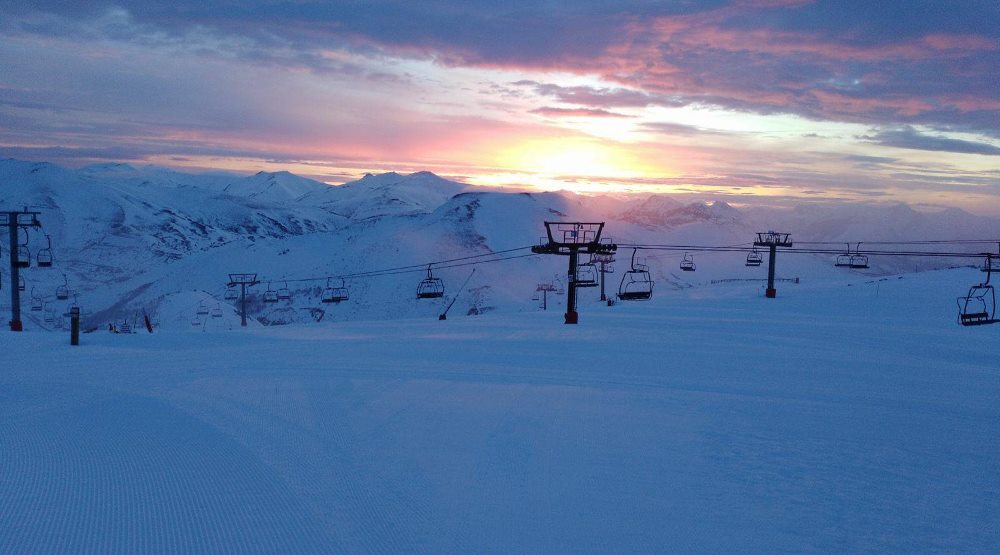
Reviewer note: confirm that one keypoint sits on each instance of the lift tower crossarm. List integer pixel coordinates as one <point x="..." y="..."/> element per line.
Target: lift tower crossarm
<point x="570" y="239"/>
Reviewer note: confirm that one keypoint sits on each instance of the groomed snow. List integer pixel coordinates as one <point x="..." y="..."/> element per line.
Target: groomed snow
<point x="839" y="418"/>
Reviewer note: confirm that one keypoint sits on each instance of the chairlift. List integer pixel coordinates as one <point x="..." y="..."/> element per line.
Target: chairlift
<point x="636" y="284"/>
<point x="858" y="261"/>
<point x="36" y="302"/>
<point x="430" y="287"/>
<point x="62" y="292"/>
<point x="979" y="305"/>
<point x="23" y="252"/>
<point x="49" y="317"/>
<point x="21" y="286"/>
<point x="754" y="258"/>
<point x="270" y="296"/>
<point x="231" y="293"/>
<point x="196" y="321"/>
<point x="23" y="256"/>
<point x="284" y="294"/>
<point x="844" y="260"/>
<point x="44" y="256"/>
<point x="536" y="297"/>
<point x="202" y="309"/>
<point x="334" y="294"/>
<point x="687" y="264"/>
<point x="217" y="312"/>
<point x="586" y="275"/>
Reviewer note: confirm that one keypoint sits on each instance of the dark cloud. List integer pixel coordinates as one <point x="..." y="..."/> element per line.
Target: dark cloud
<point x="920" y="61"/>
<point x="910" y="138"/>
<point x="599" y="97"/>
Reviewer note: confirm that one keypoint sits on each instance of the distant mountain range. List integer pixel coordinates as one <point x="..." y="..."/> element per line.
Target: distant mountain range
<point x="130" y="239"/>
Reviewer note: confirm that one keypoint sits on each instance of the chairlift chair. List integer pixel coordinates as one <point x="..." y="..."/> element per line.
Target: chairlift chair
<point x="536" y="297"/>
<point x="858" y="261"/>
<point x="23" y="256"/>
<point x="231" y="294"/>
<point x="36" y="302"/>
<point x="284" y="294"/>
<point x="196" y="321"/>
<point x="202" y="309"/>
<point x="62" y="292"/>
<point x="753" y="258"/>
<point x="560" y="290"/>
<point x="327" y="295"/>
<point x="21" y="286"/>
<point x="44" y="256"/>
<point x="217" y="312"/>
<point x="687" y="264"/>
<point x="49" y="317"/>
<point x="979" y="306"/>
<point x="270" y="296"/>
<point x="636" y="284"/>
<point x="334" y="294"/>
<point x="430" y="287"/>
<point x="586" y="275"/>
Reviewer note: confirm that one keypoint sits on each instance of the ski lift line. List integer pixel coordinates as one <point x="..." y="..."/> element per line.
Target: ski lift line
<point x="702" y="248"/>
<point x="411" y="269"/>
<point x="436" y="264"/>
<point x="922" y="242"/>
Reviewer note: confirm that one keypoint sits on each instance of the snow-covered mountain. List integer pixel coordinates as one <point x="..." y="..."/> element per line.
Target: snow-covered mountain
<point x="153" y="239"/>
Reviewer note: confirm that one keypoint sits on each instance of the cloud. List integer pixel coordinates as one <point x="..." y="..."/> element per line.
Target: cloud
<point x="856" y="60"/>
<point x="869" y="160"/>
<point x="668" y="128"/>
<point x="599" y="97"/>
<point x="556" y="112"/>
<point x="910" y="138"/>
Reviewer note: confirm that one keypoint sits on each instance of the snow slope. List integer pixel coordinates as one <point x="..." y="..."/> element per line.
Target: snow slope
<point x="845" y="416"/>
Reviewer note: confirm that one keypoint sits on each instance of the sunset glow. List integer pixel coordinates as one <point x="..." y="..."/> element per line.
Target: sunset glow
<point x="726" y="99"/>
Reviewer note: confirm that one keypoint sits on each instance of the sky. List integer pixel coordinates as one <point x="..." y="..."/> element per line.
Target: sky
<point x="852" y="100"/>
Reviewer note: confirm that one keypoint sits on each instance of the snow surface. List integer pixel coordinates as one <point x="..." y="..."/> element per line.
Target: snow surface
<point x="843" y="416"/>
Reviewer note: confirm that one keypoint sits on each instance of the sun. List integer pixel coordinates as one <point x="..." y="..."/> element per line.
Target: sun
<point x="571" y="158"/>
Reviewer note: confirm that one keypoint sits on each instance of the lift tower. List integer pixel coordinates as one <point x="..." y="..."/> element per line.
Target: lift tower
<point x="570" y="239"/>
<point x="605" y="262"/>
<point x="545" y="289"/>
<point x="244" y="281"/>
<point x="15" y="220"/>
<point x="772" y="240"/>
